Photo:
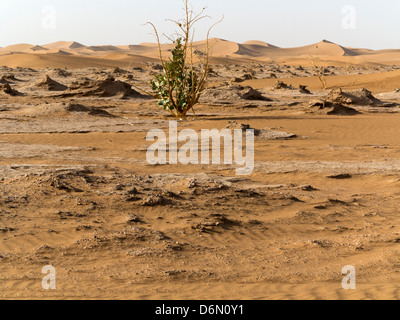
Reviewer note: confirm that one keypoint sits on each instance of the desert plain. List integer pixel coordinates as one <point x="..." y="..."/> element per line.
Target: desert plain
<point x="77" y="193"/>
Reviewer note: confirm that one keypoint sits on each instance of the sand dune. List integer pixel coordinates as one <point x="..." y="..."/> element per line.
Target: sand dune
<point x="64" y="45"/>
<point x="381" y="82"/>
<point x="103" y="48"/>
<point x="259" y="43"/>
<point x="38" y="48"/>
<point x="56" y="61"/>
<point x="17" y="48"/>
<point x="327" y="52"/>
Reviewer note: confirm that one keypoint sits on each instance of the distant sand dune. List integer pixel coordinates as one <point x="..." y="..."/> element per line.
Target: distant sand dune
<point x="259" y="43"/>
<point x="64" y="45"/>
<point x="222" y="51"/>
<point x="38" y="48"/>
<point x="381" y="82"/>
<point x="56" y="61"/>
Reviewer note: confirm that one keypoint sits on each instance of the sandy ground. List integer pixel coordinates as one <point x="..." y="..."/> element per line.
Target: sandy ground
<point x="77" y="193"/>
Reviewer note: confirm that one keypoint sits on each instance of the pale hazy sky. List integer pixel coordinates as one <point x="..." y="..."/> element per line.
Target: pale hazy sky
<point x="285" y="23"/>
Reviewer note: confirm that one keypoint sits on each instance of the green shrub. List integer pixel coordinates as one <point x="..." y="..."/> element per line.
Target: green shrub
<point x="182" y="82"/>
<point x="178" y="88"/>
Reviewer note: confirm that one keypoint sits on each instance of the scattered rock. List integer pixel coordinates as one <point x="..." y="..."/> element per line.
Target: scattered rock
<point x="281" y="85"/>
<point x="62" y="73"/>
<point x="156" y="201"/>
<point x="341" y="176"/>
<point x="233" y="125"/>
<point x="264" y="134"/>
<point x="304" y="90"/>
<point x="215" y="220"/>
<point x="59" y="183"/>
<point x="235" y="80"/>
<point x="248" y="93"/>
<point x="158" y="67"/>
<point x="307" y="188"/>
<point x="44" y="248"/>
<point x="337" y="201"/>
<point x="134" y="219"/>
<point x="119" y="71"/>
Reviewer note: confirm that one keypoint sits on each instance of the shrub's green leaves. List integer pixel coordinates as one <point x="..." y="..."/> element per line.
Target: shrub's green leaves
<point x="178" y="82"/>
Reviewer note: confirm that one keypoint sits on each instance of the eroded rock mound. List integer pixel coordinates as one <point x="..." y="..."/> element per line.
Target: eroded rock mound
<point x="231" y="95"/>
<point x="264" y="134"/>
<point x="62" y="73"/>
<point x="3" y="80"/>
<point x="280" y="85"/>
<point x="303" y="89"/>
<point x="5" y="88"/>
<point x="10" y="77"/>
<point x="64" y="109"/>
<point x="394" y="95"/>
<point x="248" y="76"/>
<point x="235" y="80"/>
<point x="108" y="87"/>
<point x="248" y="93"/>
<point x="361" y="97"/>
<point x="49" y="84"/>
<point x="118" y="70"/>
<point x="330" y="108"/>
